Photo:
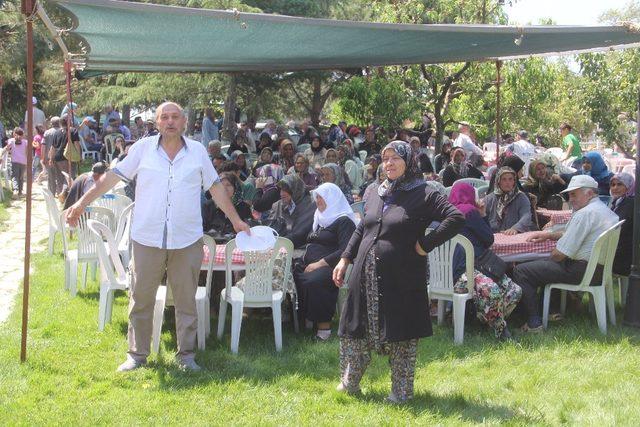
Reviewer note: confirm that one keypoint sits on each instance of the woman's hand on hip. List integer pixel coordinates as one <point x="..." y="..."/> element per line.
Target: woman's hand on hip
<point x="339" y="271"/>
<point x="419" y="249"/>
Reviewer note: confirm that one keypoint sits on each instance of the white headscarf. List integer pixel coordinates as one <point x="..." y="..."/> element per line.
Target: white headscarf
<point x="337" y="206"/>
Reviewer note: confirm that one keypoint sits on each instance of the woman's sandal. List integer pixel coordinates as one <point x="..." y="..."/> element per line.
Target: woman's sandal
<point x="526" y="328"/>
<point x="555" y="317"/>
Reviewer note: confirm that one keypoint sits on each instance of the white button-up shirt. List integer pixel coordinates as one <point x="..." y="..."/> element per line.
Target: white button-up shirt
<point x="465" y="142"/>
<point x="167" y="212"/>
<point x="584" y="228"/>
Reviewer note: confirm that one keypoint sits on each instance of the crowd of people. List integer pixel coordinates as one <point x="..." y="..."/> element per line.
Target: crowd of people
<point x="304" y="187"/>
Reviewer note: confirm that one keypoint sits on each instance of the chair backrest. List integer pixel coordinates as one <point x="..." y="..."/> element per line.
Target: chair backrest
<point x="211" y="245"/>
<point x="474" y="182"/>
<point x="358" y="208"/>
<point x="481" y="191"/>
<point x="556" y="151"/>
<point x="86" y="244"/>
<point x="437" y="186"/>
<point x="605" y="199"/>
<point x="603" y="253"/>
<point x="123" y="228"/>
<point x="301" y="148"/>
<point x="489" y="147"/>
<point x="259" y="268"/>
<point x="52" y="209"/>
<point x="630" y="169"/>
<point x="363" y="155"/>
<point x="116" y="202"/>
<point x="110" y="263"/>
<point x="441" y="264"/>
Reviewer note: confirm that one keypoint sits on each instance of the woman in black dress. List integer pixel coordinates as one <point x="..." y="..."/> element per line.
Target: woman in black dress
<point x="459" y="168"/>
<point x="622" y="187"/>
<point x="387" y="308"/>
<point x="333" y="225"/>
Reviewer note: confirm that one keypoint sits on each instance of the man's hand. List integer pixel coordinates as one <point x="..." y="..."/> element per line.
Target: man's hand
<point x="72" y="215"/>
<point x="539" y="236"/>
<point x="419" y="249"/>
<point x="242" y="226"/>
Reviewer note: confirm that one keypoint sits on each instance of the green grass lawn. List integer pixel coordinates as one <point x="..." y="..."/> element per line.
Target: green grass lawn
<point x="569" y="375"/>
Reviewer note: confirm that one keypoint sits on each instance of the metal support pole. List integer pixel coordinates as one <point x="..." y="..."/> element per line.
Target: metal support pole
<point x="498" y="116"/>
<point x="632" y="308"/>
<point x="28" y="9"/>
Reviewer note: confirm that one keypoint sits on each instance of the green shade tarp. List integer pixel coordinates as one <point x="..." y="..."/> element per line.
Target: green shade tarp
<point x="127" y="36"/>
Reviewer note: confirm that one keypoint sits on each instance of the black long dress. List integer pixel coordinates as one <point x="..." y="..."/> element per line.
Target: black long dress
<point x="317" y="294"/>
<point x="624" y="253"/>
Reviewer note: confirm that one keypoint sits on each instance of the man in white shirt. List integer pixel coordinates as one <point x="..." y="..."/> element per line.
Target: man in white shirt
<point x="38" y="116"/>
<point x="464" y="141"/>
<point x="166" y="233"/>
<point x="523" y="149"/>
<point x="569" y="259"/>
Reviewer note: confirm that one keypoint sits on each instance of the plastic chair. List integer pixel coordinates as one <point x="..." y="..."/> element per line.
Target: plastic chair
<point x="55" y="225"/>
<point x="481" y="192"/>
<point x="95" y="155"/>
<point x="123" y="234"/>
<point x="87" y="252"/>
<point x="556" y="151"/>
<point x="474" y="182"/>
<point x="302" y="148"/>
<point x="437" y="186"/>
<point x="630" y="169"/>
<point x="441" y="281"/>
<point x="605" y="199"/>
<point x="603" y="253"/>
<point x="257" y="291"/>
<point x="116" y="203"/>
<point x="623" y="285"/>
<point x="489" y="150"/>
<point x="363" y="155"/>
<point x="5" y="170"/>
<point x="113" y="277"/>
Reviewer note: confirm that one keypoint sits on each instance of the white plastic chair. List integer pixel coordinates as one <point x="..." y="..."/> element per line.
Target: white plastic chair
<point x="363" y="155"/>
<point x="123" y="234"/>
<point x="117" y="203"/>
<point x="603" y="253"/>
<point x="5" y="171"/>
<point x="481" y="192"/>
<point x="556" y="151"/>
<point x="302" y="148"/>
<point x="86" y="153"/>
<point x="257" y="291"/>
<point x="441" y="281"/>
<point x="113" y="277"/>
<point x="55" y="225"/>
<point x="437" y="186"/>
<point x="489" y="150"/>
<point x="87" y="252"/>
<point x="474" y="182"/>
<point x="630" y="169"/>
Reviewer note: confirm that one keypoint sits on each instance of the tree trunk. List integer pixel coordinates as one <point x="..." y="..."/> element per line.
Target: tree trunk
<point x="126" y="114"/>
<point x="437" y="113"/>
<point x="229" y="126"/>
<point x="191" y="118"/>
<point x="316" y="102"/>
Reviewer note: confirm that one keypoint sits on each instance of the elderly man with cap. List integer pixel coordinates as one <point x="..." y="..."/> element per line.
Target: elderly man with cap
<point x="569" y="259"/>
<point x="88" y="135"/>
<point x="171" y="172"/>
<point x="38" y="115"/>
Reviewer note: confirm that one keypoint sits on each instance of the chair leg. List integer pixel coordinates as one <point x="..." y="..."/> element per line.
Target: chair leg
<point x="85" y="267"/>
<point x="73" y="277"/>
<point x="201" y="323"/>
<point x="207" y="315"/>
<point x="545" y="306"/>
<point x="222" y="314"/>
<point x="236" y="325"/>
<point x="94" y="271"/>
<point x="158" y="314"/>
<point x="296" y="321"/>
<point x="441" y="307"/>
<point x="611" y="304"/>
<point x="277" y="324"/>
<point x="459" y="307"/>
<point x="52" y="238"/>
<point x="563" y="302"/>
<point x="600" y="308"/>
<point x="102" y="306"/>
<point x="110" y="298"/>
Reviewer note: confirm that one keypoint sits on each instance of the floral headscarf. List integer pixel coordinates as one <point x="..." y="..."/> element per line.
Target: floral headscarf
<point x="293" y="185"/>
<point x="237" y="187"/>
<point x="412" y="175"/>
<point x="504" y="199"/>
<point x="272" y="170"/>
<point x="461" y="168"/>
<point x="628" y="180"/>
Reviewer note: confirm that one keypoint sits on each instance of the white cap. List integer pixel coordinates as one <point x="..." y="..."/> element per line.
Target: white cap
<point x="34" y="100"/>
<point x="581" y="181"/>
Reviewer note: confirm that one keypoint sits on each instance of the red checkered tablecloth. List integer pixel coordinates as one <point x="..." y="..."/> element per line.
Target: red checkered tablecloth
<point x="557" y="217"/>
<point x="517" y="244"/>
<point x="236" y="258"/>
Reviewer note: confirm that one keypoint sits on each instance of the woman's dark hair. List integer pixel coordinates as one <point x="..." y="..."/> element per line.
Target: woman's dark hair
<point x="18" y="131"/>
<point x="232" y="178"/>
<point x="229" y="166"/>
<point x="99" y="168"/>
<point x="425" y="163"/>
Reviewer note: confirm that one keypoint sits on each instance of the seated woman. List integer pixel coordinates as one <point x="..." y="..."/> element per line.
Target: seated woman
<point x="333" y="225"/>
<point x="292" y="215"/>
<point x="508" y="208"/>
<point x="512" y="161"/>
<point x="316" y="153"/>
<point x="593" y="165"/>
<point x="213" y="218"/>
<point x="265" y="158"/>
<point x="494" y="300"/>
<point x="301" y="168"/>
<point x="350" y="165"/>
<point x="267" y="191"/>
<point x="331" y="156"/>
<point x="333" y="173"/>
<point x="264" y="141"/>
<point x="239" y="143"/>
<point x="543" y="183"/>
<point x="623" y="191"/>
<point x="370" y="172"/>
<point x="443" y="159"/>
<point x="459" y="168"/>
<point x="286" y="154"/>
<point x="240" y="159"/>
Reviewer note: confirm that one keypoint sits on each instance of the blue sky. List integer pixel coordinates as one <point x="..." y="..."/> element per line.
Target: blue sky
<point x="563" y="12"/>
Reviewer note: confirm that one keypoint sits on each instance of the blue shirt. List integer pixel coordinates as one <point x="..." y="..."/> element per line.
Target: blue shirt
<point x="209" y="131"/>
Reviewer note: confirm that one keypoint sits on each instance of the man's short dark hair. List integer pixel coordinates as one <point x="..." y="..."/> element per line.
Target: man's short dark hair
<point x="566" y="125"/>
<point x="229" y="166"/>
<point x="523" y="134"/>
<point x="137" y="118"/>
